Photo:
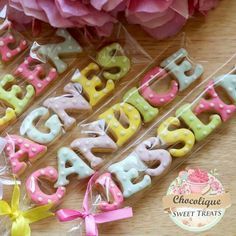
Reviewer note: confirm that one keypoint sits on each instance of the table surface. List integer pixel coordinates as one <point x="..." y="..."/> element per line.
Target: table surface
<point x="213" y="41"/>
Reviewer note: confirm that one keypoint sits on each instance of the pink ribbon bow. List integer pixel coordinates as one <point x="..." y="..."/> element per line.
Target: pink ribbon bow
<point x="92" y="219"/>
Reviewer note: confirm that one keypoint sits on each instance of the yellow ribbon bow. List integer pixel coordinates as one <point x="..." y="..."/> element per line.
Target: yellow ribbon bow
<point x="22" y="219"/>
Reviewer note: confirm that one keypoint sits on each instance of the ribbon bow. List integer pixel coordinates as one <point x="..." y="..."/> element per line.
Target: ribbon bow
<point x="3" y="170"/>
<point x="22" y="219"/>
<point x="91" y="220"/>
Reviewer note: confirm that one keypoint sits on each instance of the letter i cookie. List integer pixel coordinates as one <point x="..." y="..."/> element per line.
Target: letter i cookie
<point x="36" y="194"/>
<point x="34" y="76"/>
<point x="18" y="148"/>
<point x="6" y="51"/>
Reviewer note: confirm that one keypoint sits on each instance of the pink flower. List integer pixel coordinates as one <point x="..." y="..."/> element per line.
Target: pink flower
<point x="71" y="13"/>
<point x="215" y="186"/>
<point x="198" y="176"/>
<point x="202" y="6"/>
<point x="161" y="18"/>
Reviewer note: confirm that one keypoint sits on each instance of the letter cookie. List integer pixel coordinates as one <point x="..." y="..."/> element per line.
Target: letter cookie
<point x="36" y="194"/>
<point x="121" y="133"/>
<point x="201" y="131"/>
<point x="228" y="82"/>
<point x="183" y="136"/>
<point x="71" y="102"/>
<point x="179" y="71"/>
<point x="6" y="51"/>
<point x="98" y="142"/>
<point x="134" y="98"/>
<point x="112" y="57"/>
<point x="151" y="96"/>
<point x="18" y="148"/>
<point x="214" y="104"/>
<point x="77" y="166"/>
<point x="126" y="171"/>
<point x="53" y="124"/>
<point x="56" y="51"/>
<point x="108" y="186"/>
<point x="34" y="76"/>
<point x="91" y="86"/>
<point x="11" y="97"/>
<point x="147" y="151"/>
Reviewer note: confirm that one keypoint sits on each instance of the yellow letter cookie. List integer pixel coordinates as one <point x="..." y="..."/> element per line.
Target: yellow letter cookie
<point x="90" y="86"/>
<point x="182" y="135"/>
<point x="130" y="115"/>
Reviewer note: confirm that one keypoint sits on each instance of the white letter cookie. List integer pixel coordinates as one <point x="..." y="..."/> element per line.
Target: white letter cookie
<point x="53" y="124"/>
<point x="78" y="166"/>
<point x="126" y="171"/>
<point x="148" y="152"/>
<point x="180" y="70"/>
<point x="56" y="51"/>
<point x="98" y="141"/>
<point x="72" y="102"/>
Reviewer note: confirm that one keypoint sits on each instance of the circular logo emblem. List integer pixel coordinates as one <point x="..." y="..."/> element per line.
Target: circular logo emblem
<point x="196" y="200"/>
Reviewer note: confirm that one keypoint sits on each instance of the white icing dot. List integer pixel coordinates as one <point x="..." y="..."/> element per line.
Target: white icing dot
<point x="151" y="95"/>
<point x="8" y="54"/>
<point x="42" y="172"/>
<point x="51" y="172"/>
<point x="202" y="106"/>
<point x="20" y="69"/>
<point x="34" y="149"/>
<point x="228" y="111"/>
<point x="26" y="145"/>
<point x="39" y="85"/>
<point x="40" y="199"/>
<point x="162" y="99"/>
<point x="1" y="43"/>
<point x="18" y="49"/>
<point x="212" y="104"/>
<point x="31" y="77"/>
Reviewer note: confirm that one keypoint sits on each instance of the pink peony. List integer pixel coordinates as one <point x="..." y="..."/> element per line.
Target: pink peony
<point x="71" y="13"/>
<point x="202" y="6"/>
<point x="160" y="18"/>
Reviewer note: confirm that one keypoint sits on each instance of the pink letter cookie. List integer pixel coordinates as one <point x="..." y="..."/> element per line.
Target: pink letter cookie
<point x="37" y="76"/>
<point x="36" y="194"/>
<point x="98" y="142"/>
<point x="151" y="96"/>
<point x="109" y="187"/>
<point x="148" y="151"/>
<point x="6" y="51"/>
<point x="73" y="102"/>
<point x="215" y="104"/>
<point x="18" y="148"/>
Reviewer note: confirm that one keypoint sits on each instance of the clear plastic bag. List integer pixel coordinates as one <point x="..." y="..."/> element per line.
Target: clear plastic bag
<point x="171" y="140"/>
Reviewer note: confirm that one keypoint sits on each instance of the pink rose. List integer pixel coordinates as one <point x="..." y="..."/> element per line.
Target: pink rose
<point x="198" y="176"/>
<point x="159" y="18"/>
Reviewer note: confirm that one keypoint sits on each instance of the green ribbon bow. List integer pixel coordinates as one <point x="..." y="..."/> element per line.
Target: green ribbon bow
<point x="21" y="220"/>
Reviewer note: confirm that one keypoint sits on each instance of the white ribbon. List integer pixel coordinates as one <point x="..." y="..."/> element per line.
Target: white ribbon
<point x="3" y="171"/>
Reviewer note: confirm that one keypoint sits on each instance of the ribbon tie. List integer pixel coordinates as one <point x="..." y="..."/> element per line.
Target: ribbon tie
<point x="22" y="219"/>
<point x="92" y="219"/>
<point x="3" y="170"/>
